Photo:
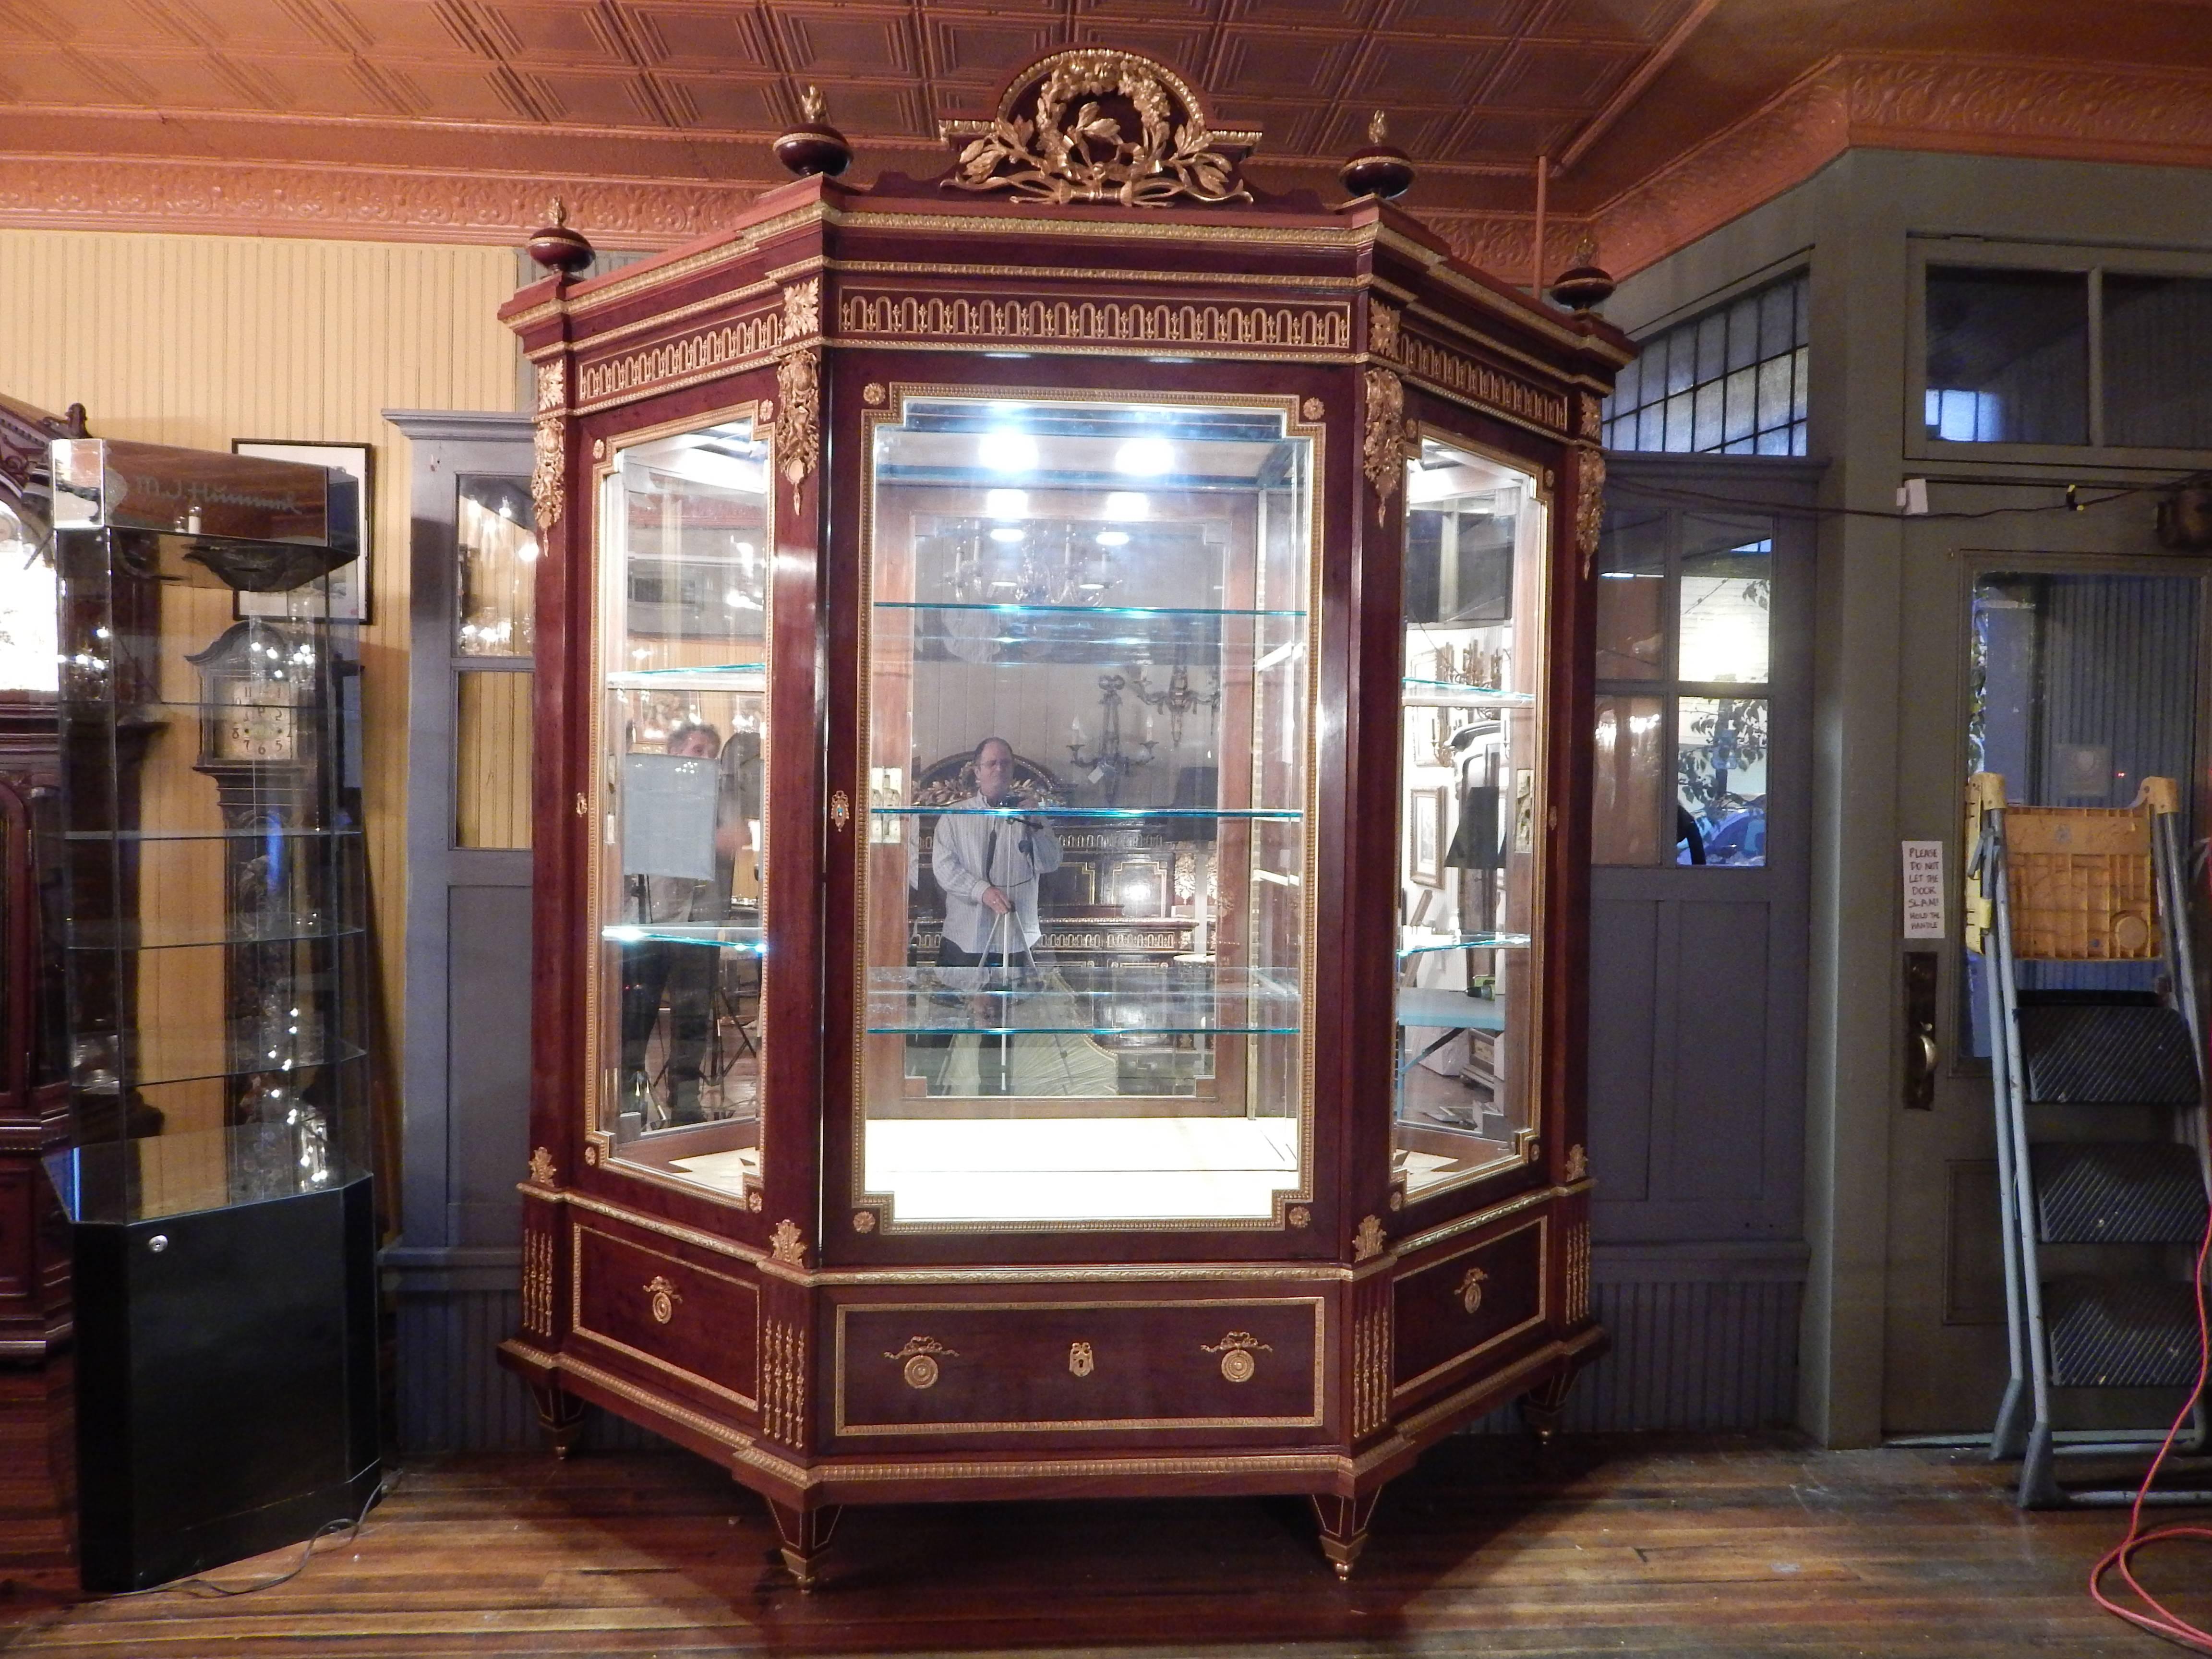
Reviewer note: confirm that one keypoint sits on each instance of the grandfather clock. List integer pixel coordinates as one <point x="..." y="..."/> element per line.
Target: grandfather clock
<point x="262" y="688"/>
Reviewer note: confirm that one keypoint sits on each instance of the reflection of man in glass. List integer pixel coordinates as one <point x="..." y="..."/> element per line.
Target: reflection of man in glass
<point x="987" y="866"/>
<point x="683" y="972"/>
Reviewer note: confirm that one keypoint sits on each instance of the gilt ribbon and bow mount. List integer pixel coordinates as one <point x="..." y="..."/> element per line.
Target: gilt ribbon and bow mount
<point x="1094" y="126"/>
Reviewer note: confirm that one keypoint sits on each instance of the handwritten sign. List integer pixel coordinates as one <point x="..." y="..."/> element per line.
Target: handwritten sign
<point x="1923" y="889"/>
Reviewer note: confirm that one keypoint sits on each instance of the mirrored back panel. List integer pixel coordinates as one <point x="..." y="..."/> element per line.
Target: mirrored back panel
<point x="1085" y="927"/>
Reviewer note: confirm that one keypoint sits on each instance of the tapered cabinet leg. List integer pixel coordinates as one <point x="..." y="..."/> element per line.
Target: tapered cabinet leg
<point x="805" y="1535"/>
<point x="1542" y="1406"/>
<point x="560" y="1414"/>
<point x="1343" y="1526"/>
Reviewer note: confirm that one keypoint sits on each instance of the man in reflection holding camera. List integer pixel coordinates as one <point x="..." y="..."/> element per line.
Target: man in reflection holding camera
<point x="986" y="861"/>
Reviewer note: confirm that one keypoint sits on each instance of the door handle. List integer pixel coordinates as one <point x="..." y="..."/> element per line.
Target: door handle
<point x="1923" y="1058"/>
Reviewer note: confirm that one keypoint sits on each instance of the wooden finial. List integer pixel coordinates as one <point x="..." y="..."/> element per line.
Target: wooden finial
<point x="558" y="248"/>
<point x="1584" y="285"/>
<point x="814" y="146"/>
<point x="1381" y="169"/>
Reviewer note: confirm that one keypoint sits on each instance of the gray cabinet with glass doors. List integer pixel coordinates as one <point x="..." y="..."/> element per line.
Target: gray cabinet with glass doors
<point x="1059" y="846"/>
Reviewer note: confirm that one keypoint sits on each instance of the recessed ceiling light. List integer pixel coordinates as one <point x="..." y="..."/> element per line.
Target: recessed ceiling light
<point x="1113" y="538"/>
<point x="1006" y="532"/>
<point x="1007" y="452"/>
<point x="1146" y="457"/>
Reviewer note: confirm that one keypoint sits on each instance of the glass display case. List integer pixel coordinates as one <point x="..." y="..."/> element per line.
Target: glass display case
<point x="1148" y="621"/>
<point x="218" y="1180"/>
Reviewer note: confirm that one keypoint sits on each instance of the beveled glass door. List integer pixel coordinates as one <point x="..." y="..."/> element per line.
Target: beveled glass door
<point x="1084" y="885"/>
<point x="680" y="731"/>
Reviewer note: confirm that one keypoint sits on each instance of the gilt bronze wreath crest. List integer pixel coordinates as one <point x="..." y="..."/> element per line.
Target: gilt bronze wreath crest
<point x="1099" y="126"/>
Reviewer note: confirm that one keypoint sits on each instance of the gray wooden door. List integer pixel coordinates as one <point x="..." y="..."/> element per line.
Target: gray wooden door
<point x="2062" y="651"/>
<point x="1698" y="970"/>
<point x="464" y="1032"/>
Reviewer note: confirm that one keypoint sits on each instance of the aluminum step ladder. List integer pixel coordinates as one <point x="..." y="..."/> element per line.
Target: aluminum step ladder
<point x="2102" y="1156"/>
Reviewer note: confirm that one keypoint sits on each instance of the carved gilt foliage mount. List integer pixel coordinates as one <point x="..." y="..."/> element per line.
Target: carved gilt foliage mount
<point x="1097" y="125"/>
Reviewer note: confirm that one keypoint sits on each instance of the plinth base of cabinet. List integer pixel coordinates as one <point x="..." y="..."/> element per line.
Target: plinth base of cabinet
<point x="805" y="1494"/>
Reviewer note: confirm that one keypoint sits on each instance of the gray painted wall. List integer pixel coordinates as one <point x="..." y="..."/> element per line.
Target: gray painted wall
<point x="1858" y="222"/>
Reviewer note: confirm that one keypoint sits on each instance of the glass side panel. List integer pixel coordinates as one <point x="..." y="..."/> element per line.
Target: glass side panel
<point x="1086" y="865"/>
<point x="209" y="842"/>
<point x="683" y="670"/>
<point x="495" y="582"/>
<point x="1467" y="809"/>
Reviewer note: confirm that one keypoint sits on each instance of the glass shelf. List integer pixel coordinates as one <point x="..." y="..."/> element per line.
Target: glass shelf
<point x="709" y="677"/>
<point x="192" y="1059"/>
<point x="1187" y="638"/>
<point x="749" y="937"/>
<point x="1452" y="1011"/>
<point x="1282" y="815"/>
<point x="1413" y="941"/>
<point x="1140" y="611"/>
<point x="1081" y="1000"/>
<point x="350" y="831"/>
<point x="1448" y="693"/>
<point x="93" y="936"/>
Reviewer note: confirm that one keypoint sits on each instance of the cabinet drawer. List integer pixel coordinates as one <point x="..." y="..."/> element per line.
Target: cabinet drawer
<point x="946" y="1367"/>
<point x="1451" y="1309"/>
<point x="668" y="1313"/>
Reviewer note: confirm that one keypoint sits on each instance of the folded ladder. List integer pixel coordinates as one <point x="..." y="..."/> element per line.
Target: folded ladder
<point x="2102" y="1158"/>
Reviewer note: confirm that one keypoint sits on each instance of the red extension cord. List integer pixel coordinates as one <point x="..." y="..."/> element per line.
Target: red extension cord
<point x="2160" y="1620"/>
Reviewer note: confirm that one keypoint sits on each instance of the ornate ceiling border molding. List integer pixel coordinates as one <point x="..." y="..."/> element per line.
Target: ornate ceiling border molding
<point x="1903" y="101"/>
<point x="1980" y="105"/>
<point x="261" y="199"/>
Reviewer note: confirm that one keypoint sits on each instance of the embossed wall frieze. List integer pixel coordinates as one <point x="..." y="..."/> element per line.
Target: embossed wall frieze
<point x="1273" y="325"/>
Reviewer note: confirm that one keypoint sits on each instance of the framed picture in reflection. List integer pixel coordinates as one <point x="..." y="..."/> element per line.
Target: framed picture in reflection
<point x="1426" y="810"/>
<point x="349" y="582"/>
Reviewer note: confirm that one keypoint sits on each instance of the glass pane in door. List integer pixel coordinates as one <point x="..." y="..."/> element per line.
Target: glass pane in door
<point x="1468" y="809"/>
<point x="2079" y="688"/>
<point x="496" y="602"/>
<point x="683" y="718"/>
<point x="1087" y="871"/>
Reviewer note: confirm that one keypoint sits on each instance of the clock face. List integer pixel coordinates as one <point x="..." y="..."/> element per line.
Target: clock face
<point x="255" y="722"/>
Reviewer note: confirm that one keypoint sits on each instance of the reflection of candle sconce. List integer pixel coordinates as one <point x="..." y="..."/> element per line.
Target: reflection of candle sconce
<point x="1178" y="700"/>
<point x="1110" y="764"/>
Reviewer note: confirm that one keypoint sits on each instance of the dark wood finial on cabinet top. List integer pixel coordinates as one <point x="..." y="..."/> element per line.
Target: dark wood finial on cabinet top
<point x="1584" y="285"/>
<point x="1381" y="169"/>
<point x="814" y="146"/>
<point x="558" y="248"/>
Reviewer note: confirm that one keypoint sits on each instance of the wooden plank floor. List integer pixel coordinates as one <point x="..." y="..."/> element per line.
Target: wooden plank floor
<point x="1634" y="1545"/>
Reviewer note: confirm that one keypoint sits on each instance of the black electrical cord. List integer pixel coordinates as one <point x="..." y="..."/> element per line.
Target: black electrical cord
<point x="2074" y="502"/>
<point x="195" y="1585"/>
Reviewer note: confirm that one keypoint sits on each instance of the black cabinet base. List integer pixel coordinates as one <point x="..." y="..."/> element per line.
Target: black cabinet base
<point x="226" y="1383"/>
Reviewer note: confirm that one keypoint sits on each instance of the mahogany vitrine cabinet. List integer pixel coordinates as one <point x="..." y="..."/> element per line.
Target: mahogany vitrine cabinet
<point x="1059" y="830"/>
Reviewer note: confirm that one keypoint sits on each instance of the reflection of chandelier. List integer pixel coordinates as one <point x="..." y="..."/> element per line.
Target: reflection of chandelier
<point x="1073" y="574"/>
<point x="1178" y="699"/>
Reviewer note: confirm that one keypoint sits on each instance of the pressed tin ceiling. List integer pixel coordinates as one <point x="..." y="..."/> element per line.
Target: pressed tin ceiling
<point x="455" y="120"/>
